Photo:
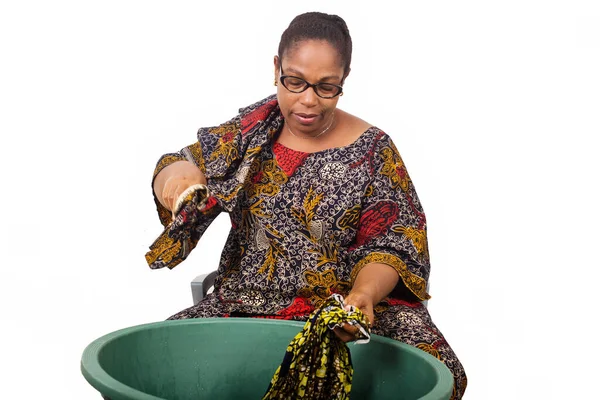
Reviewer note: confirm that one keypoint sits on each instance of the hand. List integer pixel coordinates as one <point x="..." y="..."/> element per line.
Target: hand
<point x="362" y="301"/>
<point x="174" y="180"/>
<point x="174" y="186"/>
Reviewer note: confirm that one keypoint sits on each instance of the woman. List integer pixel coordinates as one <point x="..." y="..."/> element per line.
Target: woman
<point x="320" y="202"/>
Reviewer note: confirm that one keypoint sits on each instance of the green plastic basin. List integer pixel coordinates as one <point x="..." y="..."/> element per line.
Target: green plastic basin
<point x="235" y="358"/>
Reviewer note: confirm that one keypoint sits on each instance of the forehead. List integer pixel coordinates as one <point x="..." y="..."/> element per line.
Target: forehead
<point x="313" y="57"/>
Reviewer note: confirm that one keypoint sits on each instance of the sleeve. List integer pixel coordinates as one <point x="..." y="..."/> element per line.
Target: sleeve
<point x="192" y="153"/>
<point x="182" y="233"/>
<point x="225" y="154"/>
<point x="392" y="228"/>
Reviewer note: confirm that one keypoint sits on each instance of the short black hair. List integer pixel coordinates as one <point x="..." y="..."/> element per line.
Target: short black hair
<point x="319" y="26"/>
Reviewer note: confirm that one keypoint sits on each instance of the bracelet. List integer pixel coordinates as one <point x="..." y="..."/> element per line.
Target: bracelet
<point x="187" y="192"/>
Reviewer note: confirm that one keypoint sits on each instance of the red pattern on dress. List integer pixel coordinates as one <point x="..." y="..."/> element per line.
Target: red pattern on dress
<point x="289" y="160"/>
<point x="301" y="306"/>
<point x="376" y="221"/>
<point x="210" y="203"/>
<point x="260" y="114"/>
<point x="368" y="157"/>
<point x="397" y="302"/>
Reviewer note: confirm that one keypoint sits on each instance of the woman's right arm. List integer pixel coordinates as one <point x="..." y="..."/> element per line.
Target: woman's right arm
<point x="173" y="175"/>
<point x="172" y="180"/>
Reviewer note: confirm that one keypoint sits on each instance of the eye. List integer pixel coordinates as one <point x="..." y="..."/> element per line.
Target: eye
<point x="327" y="89"/>
<point x="294" y="83"/>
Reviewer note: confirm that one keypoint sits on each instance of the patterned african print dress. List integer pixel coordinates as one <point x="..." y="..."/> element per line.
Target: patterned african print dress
<point x="303" y="226"/>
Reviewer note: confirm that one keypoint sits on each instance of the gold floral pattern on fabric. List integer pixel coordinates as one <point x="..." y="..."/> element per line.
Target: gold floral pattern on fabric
<point x="165" y="248"/>
<point x="253" y="215"/>
<point x="225" y="149"/>
<point x="227" y="128"/>
<point x="327" y="252"/>
<point x="350" y="218"/>
<point x="414" y="283"/>
<point x="321" y="285"/>
<point x="393" y="167"/>
<point x="166" y="161"/>
<point x="253" y="152"/>
<point x="428" y="348"/>
<point x="196" y="152"/>
<point x="268" y="180"/>
<point x="274" y="254"/>
<point x="307" y="213"/>
<point x="228" y="197"/>
<point x="163" y="213"/>
<point x="418" y="237"/>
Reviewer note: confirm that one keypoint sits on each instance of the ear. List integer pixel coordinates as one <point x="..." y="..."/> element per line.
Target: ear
<point x="276" y="65"/>
<point x="345" y="76"/>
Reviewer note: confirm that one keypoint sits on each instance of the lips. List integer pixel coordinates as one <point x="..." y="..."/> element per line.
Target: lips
<point x="305" y="119"/>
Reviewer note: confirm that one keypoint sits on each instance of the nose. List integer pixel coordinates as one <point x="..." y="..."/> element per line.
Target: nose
<point x="309" y="97"/>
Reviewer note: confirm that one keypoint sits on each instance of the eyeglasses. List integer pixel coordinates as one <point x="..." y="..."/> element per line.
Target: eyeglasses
<point x="299" y="85"/>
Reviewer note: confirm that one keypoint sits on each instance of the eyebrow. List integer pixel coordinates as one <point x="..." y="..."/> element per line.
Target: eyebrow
<point x="300" y="75"/>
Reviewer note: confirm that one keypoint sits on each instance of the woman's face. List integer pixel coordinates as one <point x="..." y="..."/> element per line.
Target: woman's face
<point x="315" y="61"/>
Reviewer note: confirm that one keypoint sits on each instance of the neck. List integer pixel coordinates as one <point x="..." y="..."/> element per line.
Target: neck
<point x="304" y="136"/>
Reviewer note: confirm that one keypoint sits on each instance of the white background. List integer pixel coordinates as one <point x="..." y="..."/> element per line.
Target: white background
<point x="494" y="107"/>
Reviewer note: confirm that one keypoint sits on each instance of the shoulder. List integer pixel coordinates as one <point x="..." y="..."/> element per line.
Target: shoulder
<point x="248" y="120"/>
<point x="268" y="102"/>
<point x="358" y="126"/>
<point x="353" y="123"/>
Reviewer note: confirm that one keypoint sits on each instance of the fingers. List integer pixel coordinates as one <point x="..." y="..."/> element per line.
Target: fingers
<point x="366" y="309"/>
<point x="369" y="323"/>
<point x="171" y="191"/>
<point x="347" y="333"/>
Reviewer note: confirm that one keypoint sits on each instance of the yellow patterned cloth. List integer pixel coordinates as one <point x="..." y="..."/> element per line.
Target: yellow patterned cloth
<point x="317" y="364"/>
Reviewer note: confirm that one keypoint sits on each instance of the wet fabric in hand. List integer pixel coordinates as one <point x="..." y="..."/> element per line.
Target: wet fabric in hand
<point x="317" y="364"/>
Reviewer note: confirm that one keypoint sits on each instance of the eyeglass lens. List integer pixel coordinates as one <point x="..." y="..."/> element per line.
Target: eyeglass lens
<point x="298" y="85"/>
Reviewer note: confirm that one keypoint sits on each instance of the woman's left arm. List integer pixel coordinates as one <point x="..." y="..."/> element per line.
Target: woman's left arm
<point x="373" y="283"/>
<point x="390" y="249"/>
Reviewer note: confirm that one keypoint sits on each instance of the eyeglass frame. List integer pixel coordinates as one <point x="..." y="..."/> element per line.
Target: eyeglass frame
<point x="309" y="85"/>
